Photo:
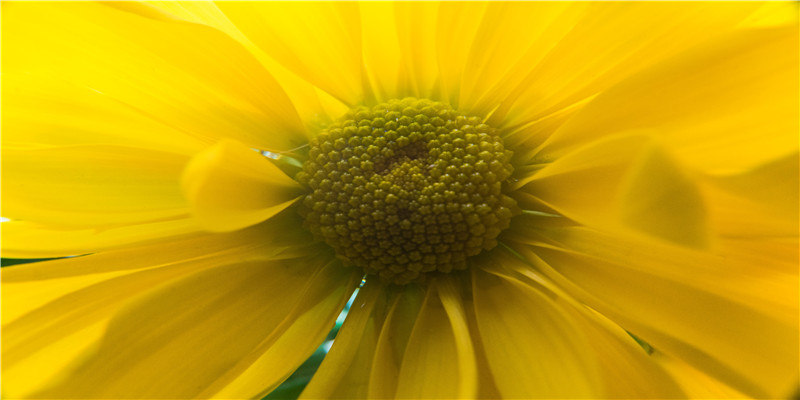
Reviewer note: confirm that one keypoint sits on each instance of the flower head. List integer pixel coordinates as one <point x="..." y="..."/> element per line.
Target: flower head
<point x="533" y="200"/>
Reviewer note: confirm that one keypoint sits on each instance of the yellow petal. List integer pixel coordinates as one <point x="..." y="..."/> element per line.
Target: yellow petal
<point x="186" y="76"/>
<point x="534" y="348"/>
<point x="416" y="33"/>
<point x="178" y="339"/>
<point x="92" y="185"/>
<point x="732" y="312"/>
<point x="319" y="42"/>
<point x="439" y="360"/>
<point x="696" y="384"/>
<point x="344" y="373"/>
<point x="624" y="183"/>
<point x="313" y="105"/>
<point x="293" y="340"/>
<point x="45" y="111"/>
<point x="403" y="308"/>
<point x="50" y="309"/>
<point x="22" y="239"/>
<point x="589" y="47"/>
<point x="627" y="370"/>
<point x="723" y="107"/>
<point x="231" y="186"/>
<point x="737" y="210"/>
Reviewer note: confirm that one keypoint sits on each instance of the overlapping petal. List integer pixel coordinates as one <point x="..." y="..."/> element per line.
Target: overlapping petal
<point x="190" y="78"/>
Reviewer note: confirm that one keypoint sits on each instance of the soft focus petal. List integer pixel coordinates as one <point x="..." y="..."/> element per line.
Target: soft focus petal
<point x="726" y="106"/>
<point x="759" y="202"/>
<point x="292" y="341"/>
<point x="344" y="373"/>
<point x="731" y="312"/>
<point x="41" y="111"/>
<point x="534" y="348"/>
<point x="178" y="339"/>
<point x="439" y="360"/>
<point x="589" y="47"/>
<point x="313" y="105"/>
<point x="92" y="185"/>
<point x="23" y="239"/>
<point x="230" y="186"/>
<point x="319" y="42"/>
<point x="186" y="76"/>
<point x="624" y="184"/>
<point x="51" y="310"/>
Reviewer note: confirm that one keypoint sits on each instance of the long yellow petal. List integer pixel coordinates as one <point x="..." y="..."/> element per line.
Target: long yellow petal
<point x="64" y="305"/>
<point x="534" y="348"/>
<point x="319" y="42"/>
<point x="294" y="339"/>
<point x="626" y="369"/>
<point x="187" y="76"/>
<point x="626" y="184"/>
<point x="41" y="111"/>
<point x="590" y="47"/>
<point x="230" y="186"/>
<point x="439" y="360"/>
<point x="731" y="312"/>
<point x="176" y="340"/>
<point x="344" y="373"/>
<point x="22" y="239"/>
<point x="92" y="185"/>
<point x="723" y="107"/>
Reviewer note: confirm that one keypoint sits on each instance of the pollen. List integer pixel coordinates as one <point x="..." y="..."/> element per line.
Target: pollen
<point x="407" y="188"/>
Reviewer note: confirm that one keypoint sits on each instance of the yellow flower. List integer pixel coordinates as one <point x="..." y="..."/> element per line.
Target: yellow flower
<point x="531" y="188"/>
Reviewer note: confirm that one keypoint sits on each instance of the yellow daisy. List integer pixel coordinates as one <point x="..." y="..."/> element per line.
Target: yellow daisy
<point x="537" y="200"/>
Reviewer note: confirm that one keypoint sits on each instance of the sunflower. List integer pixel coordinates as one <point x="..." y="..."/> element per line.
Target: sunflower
<point x="531" y="200"/>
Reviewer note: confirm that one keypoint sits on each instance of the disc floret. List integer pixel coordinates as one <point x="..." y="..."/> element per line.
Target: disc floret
<point x="407" y="188"/>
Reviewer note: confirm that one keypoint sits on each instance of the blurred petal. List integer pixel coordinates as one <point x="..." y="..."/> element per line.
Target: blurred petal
<point x="65" y="304"/>
<point x="313" y="105"/>
<point x="92" y="185"/>
<point x="624" y="184"/>
<point x="178" y="339"/>
<point x="731" y="104"/>
<point x="41" y="111"/>
<point x="319" y="42"/>
<point x="23" y="239"/>
<point x="292" y="341"/>
<point x="732" y="312"/>
<point x="738" y="209"/>
<point x="230" y="186"/>
<point x="439" y="361"/>
<point x="534" y="348"/>
<point x="587" y="48"/>
<point x="344" y="372"/>
<point x="186" y="76"/>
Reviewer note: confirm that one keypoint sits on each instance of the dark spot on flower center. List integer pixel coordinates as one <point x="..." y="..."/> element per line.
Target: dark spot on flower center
<point x="407" y="188"/>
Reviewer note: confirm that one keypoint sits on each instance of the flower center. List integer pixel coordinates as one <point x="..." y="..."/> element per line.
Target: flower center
<point x="407" y="188"/>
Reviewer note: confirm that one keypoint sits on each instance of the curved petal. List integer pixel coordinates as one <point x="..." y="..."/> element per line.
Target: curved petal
<point x="176" y="340"/>
<point x="64" y="305"/>
<point x="731" y="311"/>
<point x="343" y="373"/>
<point x="625" y="183"/>
<point x="92" y="185"/>
<point x="587" y="48"/>
<point x="534" y="348"/>
<point x="22" y="239"/>
<point x="439" y="360"/>
<point x="293" y="340"/>
<point x="41" y="111"/>
<point x="231" y="186"/>
<point x="723" y="107"/>
<point x="319" y="42"/>
<point x="189" y="77"/>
